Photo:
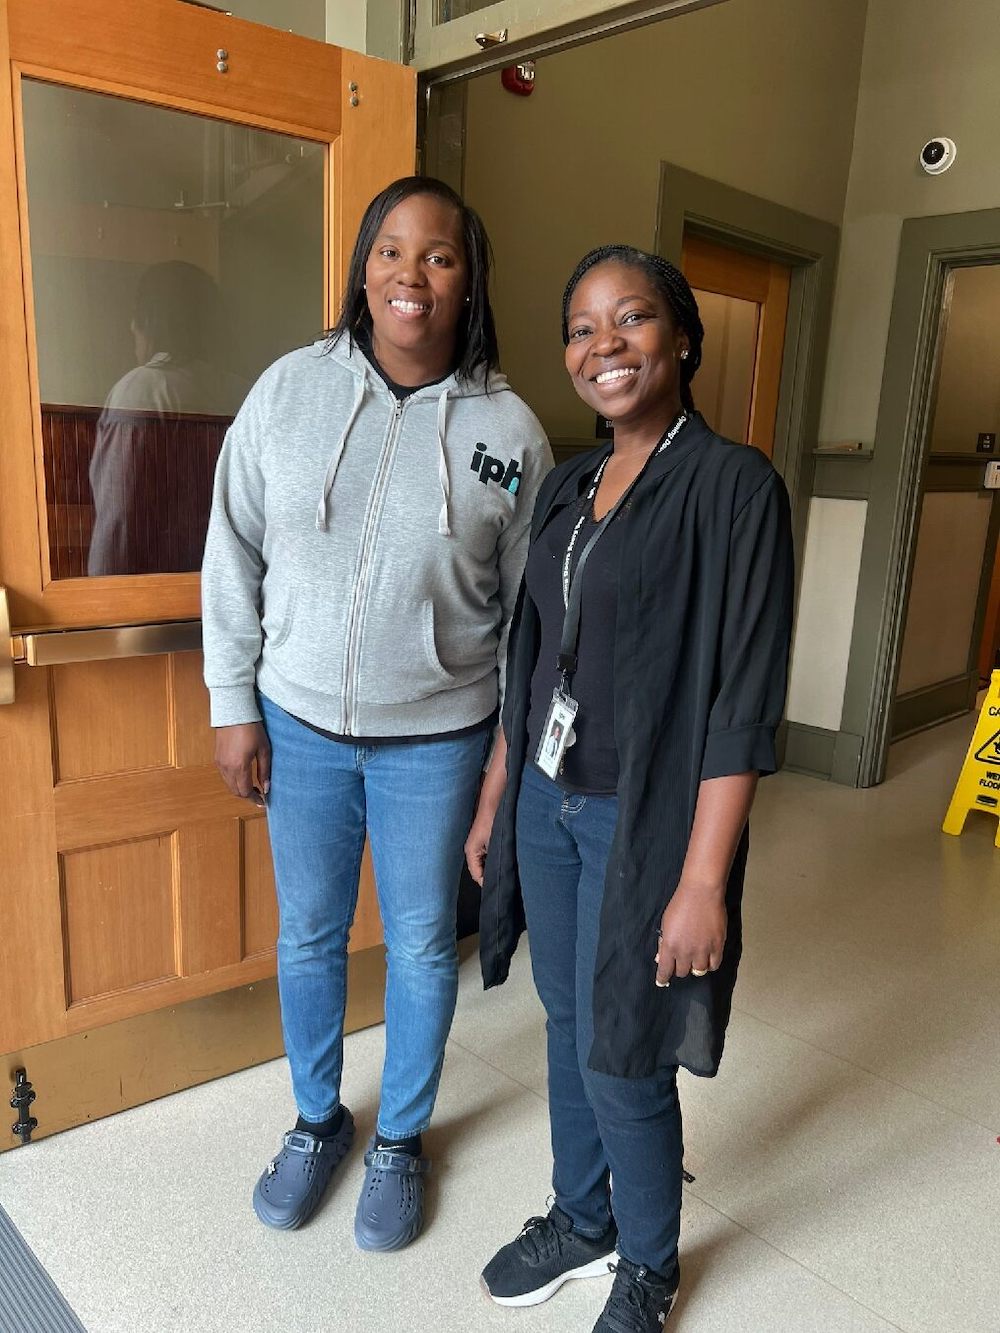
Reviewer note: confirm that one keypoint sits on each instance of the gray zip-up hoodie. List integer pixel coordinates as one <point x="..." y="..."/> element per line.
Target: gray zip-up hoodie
<point x="364" y="555"/>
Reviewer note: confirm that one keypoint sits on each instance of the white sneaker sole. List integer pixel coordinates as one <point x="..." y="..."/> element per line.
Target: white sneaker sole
<point x="596" y="1268"/>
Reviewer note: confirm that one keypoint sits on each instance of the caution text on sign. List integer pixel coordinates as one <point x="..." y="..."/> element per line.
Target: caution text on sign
<point x="978" y="786"/>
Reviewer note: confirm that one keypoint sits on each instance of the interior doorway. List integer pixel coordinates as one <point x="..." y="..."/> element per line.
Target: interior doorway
<point x="743" y="300"/>
<point x="950" y="639"/>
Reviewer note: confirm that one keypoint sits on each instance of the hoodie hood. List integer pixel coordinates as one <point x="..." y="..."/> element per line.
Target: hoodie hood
<point x="348" y="353"/>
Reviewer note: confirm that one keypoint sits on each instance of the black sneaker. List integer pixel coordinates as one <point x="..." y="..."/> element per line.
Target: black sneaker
<point x="547" y="1253"/>
<point x="640" y="1300"/>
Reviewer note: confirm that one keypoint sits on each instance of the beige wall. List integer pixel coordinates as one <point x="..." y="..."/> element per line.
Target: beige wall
<point x="929" y="69"/>
<point x="307" y="18"/>
<point x="758" y="94"/>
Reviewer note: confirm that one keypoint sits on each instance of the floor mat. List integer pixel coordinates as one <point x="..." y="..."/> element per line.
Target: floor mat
<point x="30" y="1302"/>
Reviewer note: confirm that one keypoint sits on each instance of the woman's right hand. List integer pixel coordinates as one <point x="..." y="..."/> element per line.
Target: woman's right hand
<point x="478" y="841"/>
<point x="237" y="749"/>
<point x="490" y="796"/>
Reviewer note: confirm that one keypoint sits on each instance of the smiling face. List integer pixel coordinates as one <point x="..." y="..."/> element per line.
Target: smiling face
<point x="416" y="281"/>
<point x="624" y="349"/>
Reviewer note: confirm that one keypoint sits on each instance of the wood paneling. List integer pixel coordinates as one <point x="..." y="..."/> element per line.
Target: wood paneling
<point x="118" y="908"/>
<point x="990" y="643"/>
<point x="172" y="59"/>
<point x="726" y="271"/>
<point x="193" y="740"/>
<point x="260" y="906"/>
<point x="32" y="987"/>
<point x="156" y="467"/>
<point x="377" y="145"/>
<point x="110" y="717"/>
<point x="20" y="554"/>
<point x="131" y="805"/>
<point x="208" y="874"/>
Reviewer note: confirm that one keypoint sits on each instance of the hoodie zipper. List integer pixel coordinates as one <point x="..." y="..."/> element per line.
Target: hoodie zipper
<point x="364" y="567"/>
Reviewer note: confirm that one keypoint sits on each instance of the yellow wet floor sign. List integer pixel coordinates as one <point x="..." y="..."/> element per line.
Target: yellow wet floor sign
<point x="978" y="786"/>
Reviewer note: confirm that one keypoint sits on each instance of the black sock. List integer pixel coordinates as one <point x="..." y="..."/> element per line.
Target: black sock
<point x="326" y="1128"/>
<point x="413" y="1146"/>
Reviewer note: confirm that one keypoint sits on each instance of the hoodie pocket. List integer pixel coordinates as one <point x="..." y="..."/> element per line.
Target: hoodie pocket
<point x="399" y="660"/>
<point x="277" y="619"/>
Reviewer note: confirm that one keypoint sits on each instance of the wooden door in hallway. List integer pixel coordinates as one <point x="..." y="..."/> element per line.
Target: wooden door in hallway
<point x="178" y="199"/>
<point x="743" y="299"/>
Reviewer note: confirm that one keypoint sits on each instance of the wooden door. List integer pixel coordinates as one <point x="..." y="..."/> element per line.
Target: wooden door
<point x="184" y="151"/>
<point x="989" y="644"/>
<point x="743" y="299"/>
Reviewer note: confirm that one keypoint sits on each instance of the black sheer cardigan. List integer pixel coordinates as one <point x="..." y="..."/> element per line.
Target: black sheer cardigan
<point x="700" y="662"/>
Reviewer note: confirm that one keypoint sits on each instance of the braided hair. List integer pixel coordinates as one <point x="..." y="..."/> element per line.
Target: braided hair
<point x="672" y="285"/>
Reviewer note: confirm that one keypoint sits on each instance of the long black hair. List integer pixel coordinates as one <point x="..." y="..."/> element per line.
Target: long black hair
<point x="672" y="285"/>
<point x="476" y="348"/>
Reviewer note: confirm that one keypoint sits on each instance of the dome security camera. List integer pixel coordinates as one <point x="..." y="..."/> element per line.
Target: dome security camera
<point x="938" y="155"/>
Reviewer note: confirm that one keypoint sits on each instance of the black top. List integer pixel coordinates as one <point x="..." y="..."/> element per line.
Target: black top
<point x="591" y="764"/>
<point x="700" y="664"/>
<point x="400" y="391"/>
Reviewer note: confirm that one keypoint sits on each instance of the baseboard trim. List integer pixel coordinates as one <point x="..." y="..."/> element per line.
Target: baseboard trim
<point x="820" y="753"/>
<point x="933" y="704"/>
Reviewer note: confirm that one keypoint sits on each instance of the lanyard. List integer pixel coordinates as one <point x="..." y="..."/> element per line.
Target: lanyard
<point x="567" y="660"/>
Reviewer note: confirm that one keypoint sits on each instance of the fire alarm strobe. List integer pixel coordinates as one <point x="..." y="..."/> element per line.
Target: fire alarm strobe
<point x="519" y="79"/>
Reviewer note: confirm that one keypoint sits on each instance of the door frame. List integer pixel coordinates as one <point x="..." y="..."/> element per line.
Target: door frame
<point x="696" y="204"/>
<point x="929" y="248"/>
<point x="529" y="34"/>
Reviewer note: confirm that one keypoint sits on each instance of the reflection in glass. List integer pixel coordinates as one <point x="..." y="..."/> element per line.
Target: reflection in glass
<point x="173" y="258"/>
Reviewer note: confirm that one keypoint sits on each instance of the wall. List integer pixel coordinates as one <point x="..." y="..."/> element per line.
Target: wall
<point x="929" y="69"/>
<point x="346" y="24"/>
<point x="758" y="94"/>
<point x="307" y="18"/>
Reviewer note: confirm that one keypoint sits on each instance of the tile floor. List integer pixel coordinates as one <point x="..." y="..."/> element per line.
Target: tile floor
<point x="847" y="1163"/>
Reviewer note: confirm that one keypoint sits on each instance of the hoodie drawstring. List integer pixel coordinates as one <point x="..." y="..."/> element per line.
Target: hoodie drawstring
<point x="444" y="518"/>
<point x="338" y="453"/>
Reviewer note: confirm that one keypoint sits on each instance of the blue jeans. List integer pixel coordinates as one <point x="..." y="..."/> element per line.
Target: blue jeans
<point x="616" y="1142"/>
<point x="415" y="801"/>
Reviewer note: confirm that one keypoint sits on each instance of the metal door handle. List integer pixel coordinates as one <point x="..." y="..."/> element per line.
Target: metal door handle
<point x="58" y="647"/>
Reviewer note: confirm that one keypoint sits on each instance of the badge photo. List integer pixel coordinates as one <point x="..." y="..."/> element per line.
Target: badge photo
<point x="557" y="734"/>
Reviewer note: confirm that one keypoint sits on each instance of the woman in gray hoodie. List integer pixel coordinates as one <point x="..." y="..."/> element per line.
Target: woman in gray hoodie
<point x="368" y="533"/>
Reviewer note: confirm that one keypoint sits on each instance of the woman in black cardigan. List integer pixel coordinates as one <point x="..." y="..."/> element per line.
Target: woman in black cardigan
<point x="663" y="662"/>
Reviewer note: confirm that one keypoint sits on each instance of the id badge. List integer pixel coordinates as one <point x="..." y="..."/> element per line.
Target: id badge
<point x="557" y="734"/>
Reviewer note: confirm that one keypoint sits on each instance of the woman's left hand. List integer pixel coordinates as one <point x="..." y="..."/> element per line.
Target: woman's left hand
<point x="692" y="932"/>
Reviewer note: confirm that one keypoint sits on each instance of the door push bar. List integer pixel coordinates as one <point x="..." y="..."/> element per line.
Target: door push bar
<point x="58" y="647"/>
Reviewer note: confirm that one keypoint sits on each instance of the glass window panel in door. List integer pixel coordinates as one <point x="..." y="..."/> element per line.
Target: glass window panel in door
<point x="173" y="258"/>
